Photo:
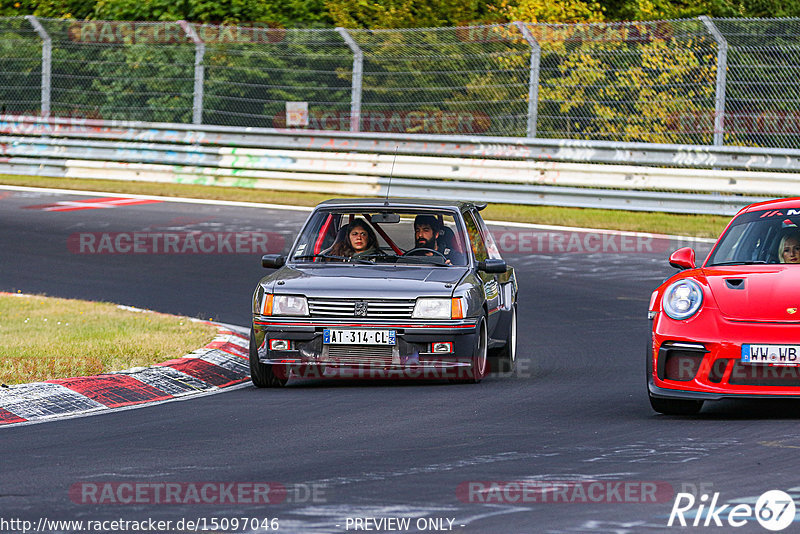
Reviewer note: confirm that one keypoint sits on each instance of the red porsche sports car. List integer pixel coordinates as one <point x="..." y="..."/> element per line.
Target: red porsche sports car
<point x="730" y="328"/>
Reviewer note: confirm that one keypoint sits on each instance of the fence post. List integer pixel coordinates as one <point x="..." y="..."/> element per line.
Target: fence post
<point x="358" y="71"/>
<point x="199" y="71"/>
<point x="533" y="80"/>
<point x="722" y="67"/>
<point x="47" y="62"/>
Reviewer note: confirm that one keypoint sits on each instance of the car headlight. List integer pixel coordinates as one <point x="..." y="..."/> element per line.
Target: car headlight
<point x="439" y="308"/>
<point x="284" y="305"/>
<point x="682" y="299"/>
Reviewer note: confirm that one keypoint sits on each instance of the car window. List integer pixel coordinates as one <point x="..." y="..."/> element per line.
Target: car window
<point x="758" y="237"/>
<point x="488" y="238"/>
<point x="393" y="231"/>
<point x="475" y="237"/>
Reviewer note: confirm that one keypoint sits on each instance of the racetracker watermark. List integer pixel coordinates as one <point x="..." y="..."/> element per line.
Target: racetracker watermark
<point x="434" y="122"/>
<point x="406" y="371"/>
<point x="525" y="241"/>
<point x="636" y="34"/>
<point x="564" y="492"/>
<point x="202" y="493"/>
<point x="175" y="242"/>
<point x="127" y="33"/>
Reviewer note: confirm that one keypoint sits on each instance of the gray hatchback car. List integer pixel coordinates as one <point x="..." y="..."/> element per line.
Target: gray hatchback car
<point x="379" y="288"/>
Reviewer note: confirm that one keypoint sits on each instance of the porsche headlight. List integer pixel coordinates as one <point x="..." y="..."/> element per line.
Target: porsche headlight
<point x="682" y="299"/>
<point x="438" y="308"/>
<point x="284" y="305"/>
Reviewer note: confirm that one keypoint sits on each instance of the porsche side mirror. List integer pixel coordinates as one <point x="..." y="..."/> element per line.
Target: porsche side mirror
<point x="272" y="261"/>
<point x="492" y="266"/>
<point x="683" y="258"/>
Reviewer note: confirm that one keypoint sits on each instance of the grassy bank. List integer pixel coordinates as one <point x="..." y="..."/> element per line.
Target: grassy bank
<point x="43" y="338"/>
<point x="663" y="223"/>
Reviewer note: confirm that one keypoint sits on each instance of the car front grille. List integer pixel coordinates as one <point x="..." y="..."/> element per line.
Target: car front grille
<point x="764" y="375"/>
<point x="360" y="354"/>
<point x="375" y="308"/>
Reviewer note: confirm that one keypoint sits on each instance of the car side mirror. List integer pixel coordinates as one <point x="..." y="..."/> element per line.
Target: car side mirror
<point x="493" y="266"/>
<point x="683" y="258"/>
<point x="272" y="261"/>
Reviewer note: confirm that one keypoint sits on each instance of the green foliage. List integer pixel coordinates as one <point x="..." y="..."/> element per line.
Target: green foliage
<point x="289" y="13"/>
<point x="67" y="9"/>
<point x="17" y="8"/>
<point x="376" y="14"/>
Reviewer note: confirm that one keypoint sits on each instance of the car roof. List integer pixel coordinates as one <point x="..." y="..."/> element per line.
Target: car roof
<point x="776" y="204"/>
<point x="398" y="203"/>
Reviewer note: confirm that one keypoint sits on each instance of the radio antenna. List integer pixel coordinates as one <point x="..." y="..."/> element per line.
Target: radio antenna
<point x="391" y="173"/>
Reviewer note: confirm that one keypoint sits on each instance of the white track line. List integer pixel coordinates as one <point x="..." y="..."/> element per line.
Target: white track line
<point x="262" y="205"/>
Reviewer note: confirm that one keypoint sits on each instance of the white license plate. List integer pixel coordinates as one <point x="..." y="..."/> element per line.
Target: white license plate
<point x="774" y="354"/>
<point x="332" y="336"/>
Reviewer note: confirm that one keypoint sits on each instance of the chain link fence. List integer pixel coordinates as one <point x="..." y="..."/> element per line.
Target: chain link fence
<point x="696" y="81"/>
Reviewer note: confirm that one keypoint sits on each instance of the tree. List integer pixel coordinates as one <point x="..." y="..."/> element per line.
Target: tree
<point x="376" y="14"/>
<point x="564" y="11"/>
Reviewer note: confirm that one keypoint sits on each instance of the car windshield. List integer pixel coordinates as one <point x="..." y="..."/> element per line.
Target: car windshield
<point x="769" y="236"/>
<point x="370" y="236"/>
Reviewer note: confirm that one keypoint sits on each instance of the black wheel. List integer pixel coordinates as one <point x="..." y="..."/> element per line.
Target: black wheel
<point x="265" y="375"/>
<point x="675" y="406"/>
<point x="477" y="370"/>
<point x="505" y="358"/>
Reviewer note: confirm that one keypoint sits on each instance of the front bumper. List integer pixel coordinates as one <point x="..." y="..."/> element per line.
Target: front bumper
<point x="702" y="360"/>
<point x="412" y="350"/>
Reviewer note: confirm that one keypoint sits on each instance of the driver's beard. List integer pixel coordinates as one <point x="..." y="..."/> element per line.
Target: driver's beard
<point x="423" y="243"/>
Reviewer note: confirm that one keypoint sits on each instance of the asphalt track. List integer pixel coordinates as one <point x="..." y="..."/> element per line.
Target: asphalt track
<point x="574" y="414"/>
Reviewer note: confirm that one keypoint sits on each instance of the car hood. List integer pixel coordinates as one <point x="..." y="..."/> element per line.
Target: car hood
<point x="366" y="281"/>
<point x="761" y="293"/>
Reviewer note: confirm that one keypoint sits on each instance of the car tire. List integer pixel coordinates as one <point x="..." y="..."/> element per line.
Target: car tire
<point x="480" y="359"/>
<point x="675" y="406"/>
<point x="504" y="359"/>
<point x="265" y="375"/>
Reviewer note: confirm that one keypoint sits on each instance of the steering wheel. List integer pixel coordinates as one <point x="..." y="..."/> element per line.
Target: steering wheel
<point x="424" y="251"/>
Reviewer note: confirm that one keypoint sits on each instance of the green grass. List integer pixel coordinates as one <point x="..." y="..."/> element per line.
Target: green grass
<point x="43" y="338"/>
<point x="661" y="223"/>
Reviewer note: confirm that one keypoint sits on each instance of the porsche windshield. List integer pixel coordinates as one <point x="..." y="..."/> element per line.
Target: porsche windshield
<point x="760" y="237"/>
<point x="371" y="236"/>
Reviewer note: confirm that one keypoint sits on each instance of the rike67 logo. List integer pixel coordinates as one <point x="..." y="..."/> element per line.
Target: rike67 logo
<point x="774" y="510"/>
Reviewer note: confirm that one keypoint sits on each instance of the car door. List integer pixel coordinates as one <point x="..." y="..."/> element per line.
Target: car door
<point x="491" y="286"/>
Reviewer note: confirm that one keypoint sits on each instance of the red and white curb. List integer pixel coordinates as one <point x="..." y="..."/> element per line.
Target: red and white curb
<point x="220" y="364"/>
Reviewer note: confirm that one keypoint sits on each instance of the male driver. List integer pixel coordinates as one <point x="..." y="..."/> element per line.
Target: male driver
<point x="426" y="230"/>
<point x="428" y="233"/>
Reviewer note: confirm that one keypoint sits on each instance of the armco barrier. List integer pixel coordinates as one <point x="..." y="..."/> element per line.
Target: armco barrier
<point x="508" y="170"/>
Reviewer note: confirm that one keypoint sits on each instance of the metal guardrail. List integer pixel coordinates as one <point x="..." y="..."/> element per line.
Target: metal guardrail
<point x="687" y="156"/>
<point x="507" y="170"/>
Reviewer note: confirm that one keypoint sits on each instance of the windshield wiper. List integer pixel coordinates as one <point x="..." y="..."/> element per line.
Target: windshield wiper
<point x="331" y="257"/>
<point x="751" y="262"/>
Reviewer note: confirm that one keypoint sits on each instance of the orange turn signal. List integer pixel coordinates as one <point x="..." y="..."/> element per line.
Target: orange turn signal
<point x="456" y="311"/>
<point x="267" y="308"/>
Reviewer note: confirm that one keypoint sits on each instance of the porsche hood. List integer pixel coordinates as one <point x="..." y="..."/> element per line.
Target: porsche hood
<point x="769" y="294"/>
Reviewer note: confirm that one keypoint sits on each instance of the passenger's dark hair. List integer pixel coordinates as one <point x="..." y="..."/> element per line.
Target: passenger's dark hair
<point x="344" y="248"/>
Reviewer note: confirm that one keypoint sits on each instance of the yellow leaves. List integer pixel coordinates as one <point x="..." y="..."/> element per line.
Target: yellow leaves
<point x="565" y="11"/>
